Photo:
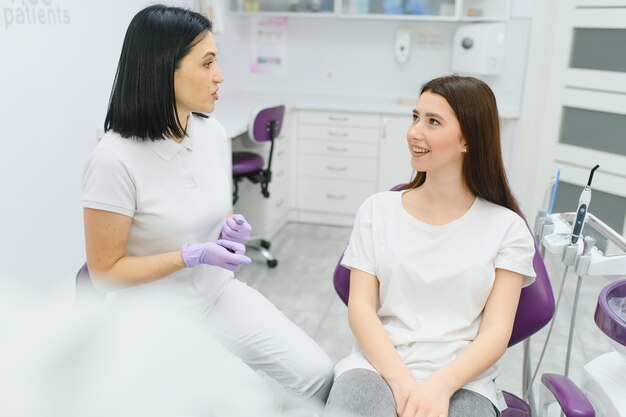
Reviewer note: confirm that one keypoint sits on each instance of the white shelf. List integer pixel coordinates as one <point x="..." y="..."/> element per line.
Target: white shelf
<point x="325" y="15"/>
<point x="422" y="18"/>
<point x="469" y="19"/>
<point x="494" y="10"/>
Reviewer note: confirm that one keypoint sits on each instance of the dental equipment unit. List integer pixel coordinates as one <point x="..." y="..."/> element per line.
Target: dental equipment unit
<point x="590" y="248"/>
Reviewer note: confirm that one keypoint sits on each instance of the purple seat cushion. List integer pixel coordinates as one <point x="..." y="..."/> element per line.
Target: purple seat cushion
<point x="516" y="406"/>
<point x="246" y="163"/>
<point x="606" y="318"/>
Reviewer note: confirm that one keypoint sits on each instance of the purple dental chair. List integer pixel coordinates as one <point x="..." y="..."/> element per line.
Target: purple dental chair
<point x="535" y="310"/>
<point x="265" y="126"/>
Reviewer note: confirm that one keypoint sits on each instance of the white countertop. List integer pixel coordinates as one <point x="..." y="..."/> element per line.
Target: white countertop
<point x="234" y="110"/>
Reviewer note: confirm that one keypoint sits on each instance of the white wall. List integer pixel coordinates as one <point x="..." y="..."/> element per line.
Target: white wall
<point x="342" y="56"/>
<point x="356" y="57"/>
<point x="58" y="62"/>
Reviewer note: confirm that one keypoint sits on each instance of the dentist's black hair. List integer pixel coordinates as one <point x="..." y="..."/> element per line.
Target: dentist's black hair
<point x="143" y="101"/>
<point x="474" y="105"/>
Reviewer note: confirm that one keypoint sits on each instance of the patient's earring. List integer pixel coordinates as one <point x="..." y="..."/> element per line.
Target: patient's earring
<point x="464" y="150"/>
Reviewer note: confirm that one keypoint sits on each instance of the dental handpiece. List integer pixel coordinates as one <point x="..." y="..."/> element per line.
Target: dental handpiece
<point x="583" y="208"/>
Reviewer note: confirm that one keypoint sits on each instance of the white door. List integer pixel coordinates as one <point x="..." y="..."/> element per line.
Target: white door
<point x="586" y="107"/>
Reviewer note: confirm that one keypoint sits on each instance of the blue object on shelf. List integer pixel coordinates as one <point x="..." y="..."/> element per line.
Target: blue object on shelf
<point x="415" y="7"/>
<point x="393" y="7"/>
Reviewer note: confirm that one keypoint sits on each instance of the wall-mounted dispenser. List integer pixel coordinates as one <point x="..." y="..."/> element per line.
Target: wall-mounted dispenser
<point x="478" y="49"/>
<point x="403" y="45"/>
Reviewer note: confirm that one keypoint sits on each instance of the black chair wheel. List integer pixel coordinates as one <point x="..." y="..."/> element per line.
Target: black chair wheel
<point x="272" y="263"/>
<point x="265" y="244"/>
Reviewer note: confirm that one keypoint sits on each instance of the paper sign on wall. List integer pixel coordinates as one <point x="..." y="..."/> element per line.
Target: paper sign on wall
<point x="269" y="45"/>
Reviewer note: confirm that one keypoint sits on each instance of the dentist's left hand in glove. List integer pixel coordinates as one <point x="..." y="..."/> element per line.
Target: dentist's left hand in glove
<point x="236" y="229"/>
<point x="223" y="253"/>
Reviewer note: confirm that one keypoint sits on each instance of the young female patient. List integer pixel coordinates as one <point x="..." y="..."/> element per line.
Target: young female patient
<point x="436" y="269"/>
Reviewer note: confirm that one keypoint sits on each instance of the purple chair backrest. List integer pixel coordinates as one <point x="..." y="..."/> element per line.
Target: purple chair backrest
<point x="536" y="304"/>
<point x="258" y="130"/>
<point x="84" y="284"/>
<point x="82" y="276"/>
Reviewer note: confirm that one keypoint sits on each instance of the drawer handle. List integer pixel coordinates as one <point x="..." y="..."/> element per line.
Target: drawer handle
<point x="336" y="196"/>
<point x="338" y="118"/>
<point x="279" y="173"/>
<point x="280" y="204"/>
<point x="280" y="153"/>
<point x="333" y="149"/>
<point x="339" y="169"/>
<point x="338" y="134"/>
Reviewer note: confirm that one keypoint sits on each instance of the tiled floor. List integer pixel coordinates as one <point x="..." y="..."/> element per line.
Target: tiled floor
<point x="301" y="286"/>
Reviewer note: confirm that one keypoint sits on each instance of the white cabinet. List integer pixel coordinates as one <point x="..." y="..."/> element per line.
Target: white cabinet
<point x="337" y="164"/>
<point x="433" y="10"/>
<point x="267" y="215"/>
<point x="344" y="157"/>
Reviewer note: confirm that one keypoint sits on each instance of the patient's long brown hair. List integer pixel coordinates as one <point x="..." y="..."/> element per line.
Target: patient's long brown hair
<point x="475" y="107"/>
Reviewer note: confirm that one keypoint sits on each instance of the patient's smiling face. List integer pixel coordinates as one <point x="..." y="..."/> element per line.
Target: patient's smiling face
<point x="434" y="138"/>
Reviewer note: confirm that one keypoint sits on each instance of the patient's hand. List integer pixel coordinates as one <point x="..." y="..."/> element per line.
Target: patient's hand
<point x="421" y="399"/>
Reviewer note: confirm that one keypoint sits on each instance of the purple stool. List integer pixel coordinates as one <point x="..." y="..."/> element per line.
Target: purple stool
<point x="535" y="310"/>
<point x="265" y="126"/>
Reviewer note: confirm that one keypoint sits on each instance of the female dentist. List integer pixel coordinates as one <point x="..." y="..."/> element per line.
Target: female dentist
<point x="157" y="197"/>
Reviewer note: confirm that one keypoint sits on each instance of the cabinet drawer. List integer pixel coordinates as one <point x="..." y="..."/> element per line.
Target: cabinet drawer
<point x="328" y="148"/>
<point x="332" y="196"/>
<point x="280" y="174"/>
<point x="280" y="152"/>
<point x="339" y="168"/>
<point x="340" y="118"/>
<point x="278" y="208"/>
<point x="357" y="134"/>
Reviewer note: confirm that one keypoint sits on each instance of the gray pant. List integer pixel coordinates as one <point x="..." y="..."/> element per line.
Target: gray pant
<point x="364" y="393"/>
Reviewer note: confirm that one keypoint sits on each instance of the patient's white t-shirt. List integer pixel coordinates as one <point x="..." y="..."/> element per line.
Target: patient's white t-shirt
<point x="435" y="280"/>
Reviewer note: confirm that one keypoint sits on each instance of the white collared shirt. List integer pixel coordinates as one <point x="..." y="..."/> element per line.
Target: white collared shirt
<point x="176" y="193"/>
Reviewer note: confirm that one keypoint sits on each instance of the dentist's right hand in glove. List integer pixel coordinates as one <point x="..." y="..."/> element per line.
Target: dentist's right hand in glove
<point x="236" y="229"/>
<point x="223" y="253"/>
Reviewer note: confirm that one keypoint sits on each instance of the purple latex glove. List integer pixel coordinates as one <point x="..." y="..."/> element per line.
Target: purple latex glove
<point x="236" y="229"/>
<point x="223" y="253"/>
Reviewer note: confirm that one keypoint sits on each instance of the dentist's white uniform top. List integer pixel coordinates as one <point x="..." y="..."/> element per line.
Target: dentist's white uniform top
<point x="175" y="194"/>
<point x="435" y="280"/>
<point x="181" y="193"/>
